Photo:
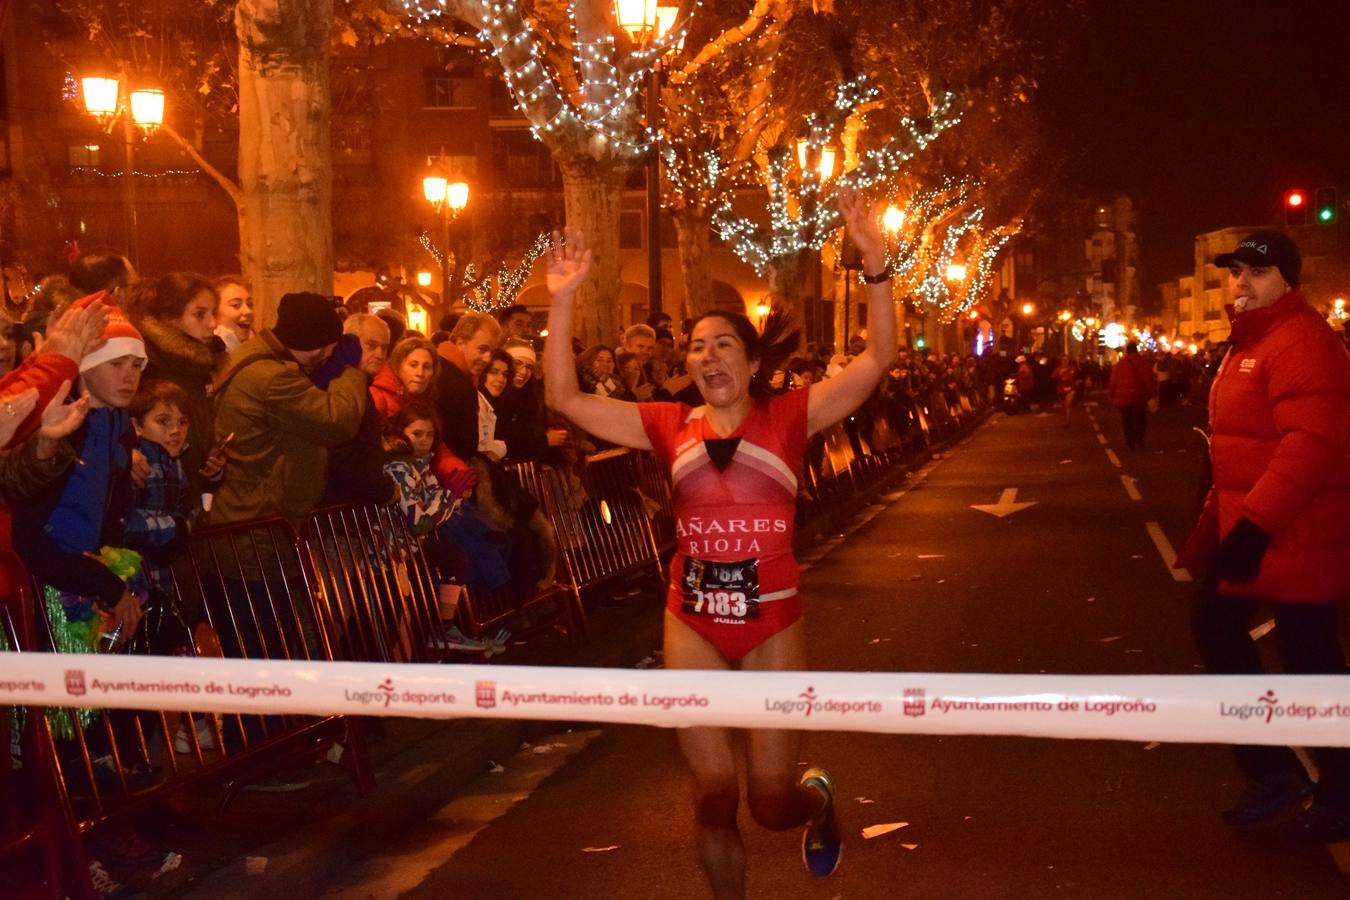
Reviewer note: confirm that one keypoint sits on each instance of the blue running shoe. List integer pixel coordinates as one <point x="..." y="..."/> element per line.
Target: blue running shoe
<point x="822" y="845"/>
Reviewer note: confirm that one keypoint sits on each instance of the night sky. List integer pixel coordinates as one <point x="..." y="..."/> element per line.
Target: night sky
<point x="1204" y="112"/>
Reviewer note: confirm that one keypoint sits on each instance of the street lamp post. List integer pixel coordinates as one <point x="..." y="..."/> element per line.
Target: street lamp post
<point x="140" y="109"/>
<point x="646" y="21"/>
<point x="1065" y="317"/>
<point x="448" y="198"/>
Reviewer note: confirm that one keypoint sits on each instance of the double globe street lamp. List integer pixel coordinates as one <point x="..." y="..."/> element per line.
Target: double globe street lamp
<point x="646" y="21"/>
<point x="142" y="110"/>
<point x="448" y="198"/>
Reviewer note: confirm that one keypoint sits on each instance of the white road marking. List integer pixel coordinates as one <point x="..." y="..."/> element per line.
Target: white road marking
<point x="1262" y="630"/>
<point x="1007" y="504"/>
<point x="1165" y="550"/>
<point x="1111" y="455"/>
<point x="1101" y="439"/>
<point x="457" y="823"/>
<point x="1130" y="489"/>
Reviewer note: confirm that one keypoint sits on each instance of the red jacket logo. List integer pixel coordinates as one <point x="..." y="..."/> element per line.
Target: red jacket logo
<point x="1247" y="365"/>
<point x="75" y="682"/>
<point x="914" y="704"/>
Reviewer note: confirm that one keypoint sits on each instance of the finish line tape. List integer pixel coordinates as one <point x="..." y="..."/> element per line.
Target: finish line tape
<point x="1303" y="710"/>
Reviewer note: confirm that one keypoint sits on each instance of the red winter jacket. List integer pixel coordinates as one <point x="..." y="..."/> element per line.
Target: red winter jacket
<point x="44" y="371"/>
<point x="1280" y="420"/>
<point x="1132" y="381"/>
<point x="386" y="392"/>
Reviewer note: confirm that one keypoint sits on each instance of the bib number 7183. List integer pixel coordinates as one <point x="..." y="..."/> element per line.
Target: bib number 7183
<point x="720" y="603"/>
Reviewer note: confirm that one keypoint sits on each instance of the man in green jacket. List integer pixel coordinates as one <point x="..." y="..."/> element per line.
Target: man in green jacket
<point x="282" y="423"/>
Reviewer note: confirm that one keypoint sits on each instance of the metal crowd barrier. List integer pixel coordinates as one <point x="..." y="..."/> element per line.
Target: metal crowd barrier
<point x="374" y="590"/>
<point x="377" y="592"/>
<point x="34" y="835"/>
<point x="248" y="589"/>
<point x="604" y="523"/>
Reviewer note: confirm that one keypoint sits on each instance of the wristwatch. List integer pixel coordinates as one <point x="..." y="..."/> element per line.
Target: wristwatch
<point x="883" y="275"/>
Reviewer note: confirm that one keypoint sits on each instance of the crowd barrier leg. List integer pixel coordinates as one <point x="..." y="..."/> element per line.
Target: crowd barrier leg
<point x="35" y="815"/>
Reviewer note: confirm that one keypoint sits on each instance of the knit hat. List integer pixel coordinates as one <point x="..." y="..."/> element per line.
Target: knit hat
<point x="307" y="321"/>
<point x="1266" y="248"/>
<point x="523" y="353"/>
<point x="120" y="337"/>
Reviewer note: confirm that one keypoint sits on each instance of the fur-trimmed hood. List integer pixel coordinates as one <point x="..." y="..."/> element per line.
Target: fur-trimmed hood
<point x="176" y="356"/>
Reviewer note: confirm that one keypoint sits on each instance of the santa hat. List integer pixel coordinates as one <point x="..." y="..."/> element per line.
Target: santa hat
<point x="120" y="337"/>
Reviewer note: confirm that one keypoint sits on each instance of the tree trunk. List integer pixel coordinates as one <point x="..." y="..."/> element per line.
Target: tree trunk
<point x="693" y="230"/>
<point x="285" y="162"/>
<point x="592" y="205"/>
<point x="787" y="282"/>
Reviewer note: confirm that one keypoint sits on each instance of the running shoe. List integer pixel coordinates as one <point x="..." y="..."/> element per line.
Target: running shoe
<point x="822" y="845"/>
<point x="454" y="639"/>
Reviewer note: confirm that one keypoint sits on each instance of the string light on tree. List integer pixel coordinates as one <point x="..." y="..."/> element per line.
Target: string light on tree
<point x="801" y="207"/>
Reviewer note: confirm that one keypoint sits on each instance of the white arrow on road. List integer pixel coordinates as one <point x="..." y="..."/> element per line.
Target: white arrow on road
<point x="1007" y="504"/>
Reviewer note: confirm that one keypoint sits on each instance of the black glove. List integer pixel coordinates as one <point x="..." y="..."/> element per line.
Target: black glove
<point x="346" y="355"/>
<point x="1238" y="560"/>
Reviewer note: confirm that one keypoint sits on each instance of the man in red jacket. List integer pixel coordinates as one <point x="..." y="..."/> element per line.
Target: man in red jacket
<point x="1278" y="516"/>
<point x="1132" y="386"/>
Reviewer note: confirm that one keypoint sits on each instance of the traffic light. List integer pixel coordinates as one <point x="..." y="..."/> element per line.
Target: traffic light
<point x="1324" y="209"/>
<point x="1295" y="207"/>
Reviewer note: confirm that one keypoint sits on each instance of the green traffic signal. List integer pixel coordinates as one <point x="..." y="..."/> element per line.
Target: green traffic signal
<point x="1326" y="205"/>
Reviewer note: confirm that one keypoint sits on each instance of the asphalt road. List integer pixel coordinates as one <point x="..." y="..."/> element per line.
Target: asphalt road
<point x="1072" y="584"/>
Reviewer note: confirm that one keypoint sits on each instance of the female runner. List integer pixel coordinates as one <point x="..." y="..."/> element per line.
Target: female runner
<point x="735" y="463"/>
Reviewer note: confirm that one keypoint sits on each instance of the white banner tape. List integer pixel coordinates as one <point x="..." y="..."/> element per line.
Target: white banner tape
<point x="1305" y="710"/>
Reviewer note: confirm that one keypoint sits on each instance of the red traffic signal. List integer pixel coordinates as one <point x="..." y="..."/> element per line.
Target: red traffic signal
<point x="1295" y="207"/>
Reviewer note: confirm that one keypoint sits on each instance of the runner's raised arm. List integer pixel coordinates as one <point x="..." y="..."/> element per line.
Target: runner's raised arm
<point x="835" y="398"/>
<point x="613" y="420"/>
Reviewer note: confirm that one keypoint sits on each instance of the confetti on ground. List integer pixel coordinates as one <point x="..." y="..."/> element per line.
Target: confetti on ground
<point x="495" y="768"/>
<point x="549" y="748"/>
<point x="1065" y="462"/>
<point x="872" y="831"/>
<point x="1137" y="556"/>
<point x="600" y="849"/>
<point x="1107" y="640"/>
<point x="932" y="556"/>
<point x="875" y="641"/>
<point x="864" y="800"/>
<point x="1153" y="745"/>
<point x="910" y="846"/>
<point x="1092" y="599"/>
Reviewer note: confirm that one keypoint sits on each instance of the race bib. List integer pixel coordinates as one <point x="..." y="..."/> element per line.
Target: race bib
<point x="726" y="590"/>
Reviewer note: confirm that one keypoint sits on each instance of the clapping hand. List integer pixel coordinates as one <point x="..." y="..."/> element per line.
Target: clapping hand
<point x="863" y="229"/>
<point x="60" y="419"/>
<point x="78" y="331"/>
<point x="569" y="262"/>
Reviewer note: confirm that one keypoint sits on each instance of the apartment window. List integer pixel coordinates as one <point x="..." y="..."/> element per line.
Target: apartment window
<point x="630" y="230"/>
<point x="83" y="156"/>
<point x="462" y="166"/>
<point x="522" y="162"/>
<point x="442" y="91"/>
